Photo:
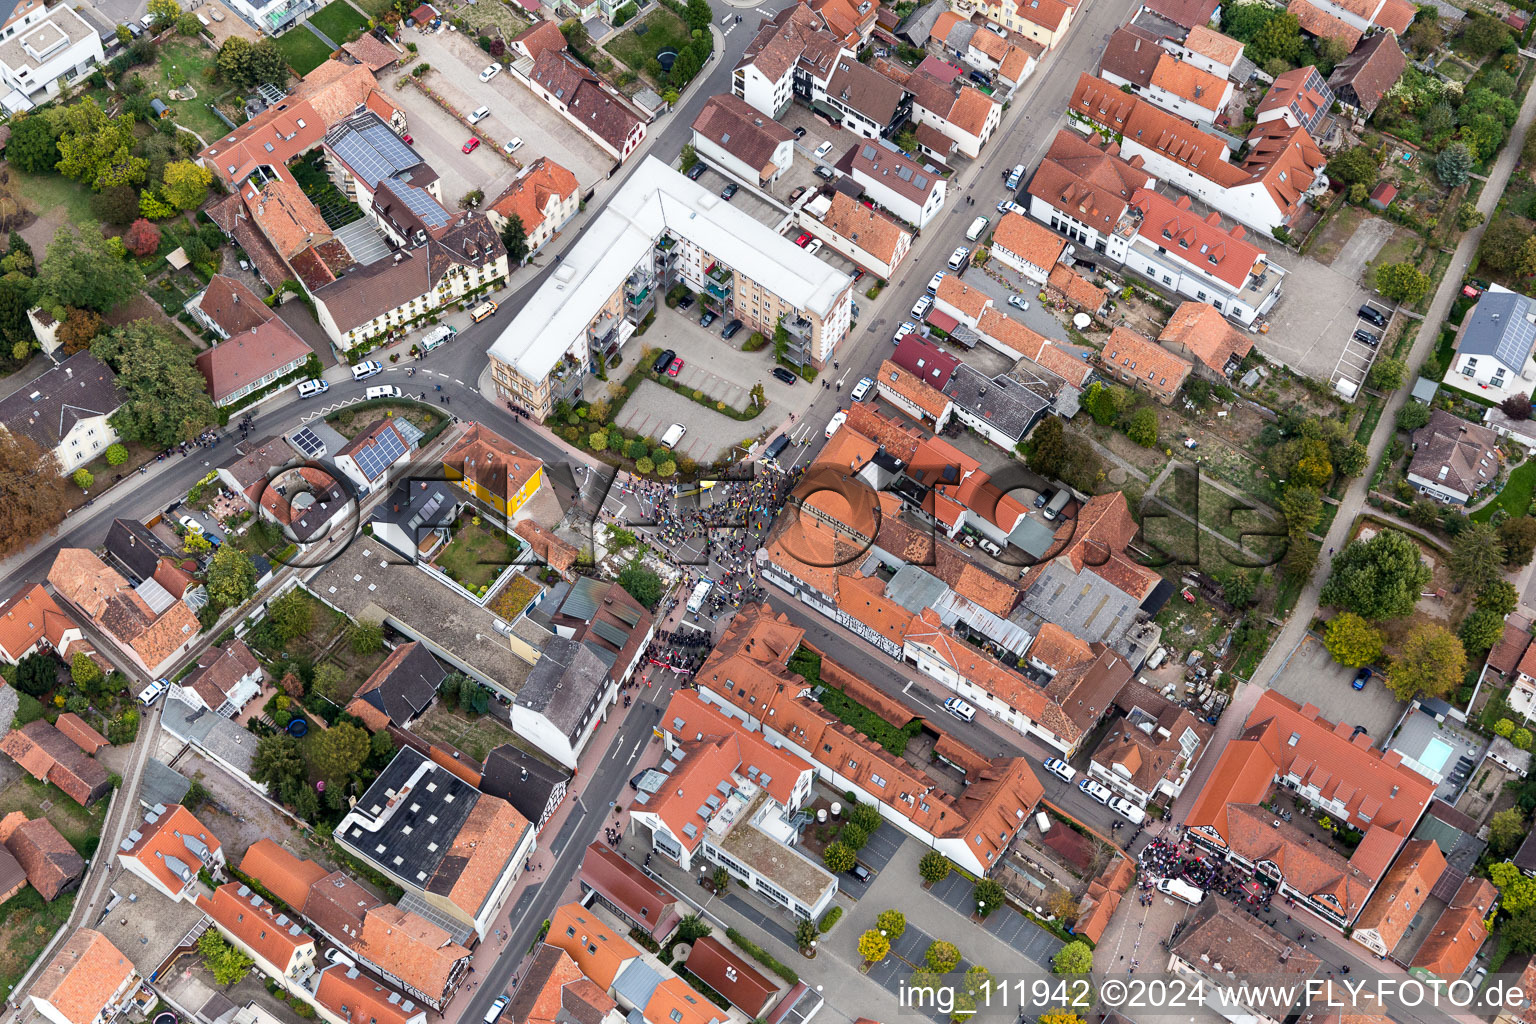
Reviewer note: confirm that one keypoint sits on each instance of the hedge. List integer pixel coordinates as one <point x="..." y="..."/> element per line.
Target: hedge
<point x="762" y="956"/>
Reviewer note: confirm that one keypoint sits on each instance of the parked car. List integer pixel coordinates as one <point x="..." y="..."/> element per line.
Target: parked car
<point x="958" y="257"/>
<point x="921" y="307"/>
<point x="479" y="114"/>
<point x="1059" y="768"/>
<point x="1127" y="810"/>
<point x="707" y="319"/>
<point x="825" y="173"/>
<point x="933" y="282"/>
<point x="310" y="388"/>
<point x="152" y="692"/>
<point x="696" y="172"/>
<point x="804" y="239"/>
<point x="191" y="525"/>
<point x="861" y="873"/>
<point x="1018" y="302"/>
<point x="494" y="1013"/>
<point x="362" y="371"/>
<point x="813" y="248"/>
<point x="730" y="190"/>
<point x="731" y="329"/>
<point x="838" y="419"/>
<point x="822" y="150"/>
<point x="472" y="145"/>
<point x="960" y="709"/>
<point x="513" y="144"/>
<point x="686" y="302"/>
<point x="676" y="367"/>
<point x="799" y="131"/>
<point x="491" y="71"/>
<point x="906" y="328"/>
<point x="1361" y="678"/>
<point x="862" y="388"/>
<point x="1373" y="314"/>
<point x="1043" y="497"/>
<point x="1180" y="889"/>
<point x="784" y="375"/>
<point x="1367" y="338"/>
<point x="663" y="361"/>
<point x="800" y="190"/>
<point x="1096" y="790"/>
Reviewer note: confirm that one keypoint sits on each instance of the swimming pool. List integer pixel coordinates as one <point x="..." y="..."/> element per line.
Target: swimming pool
<point x="1436" y="754"/>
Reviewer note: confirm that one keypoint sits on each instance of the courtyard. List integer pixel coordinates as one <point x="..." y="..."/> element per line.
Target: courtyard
<point x="1311" y="676"/>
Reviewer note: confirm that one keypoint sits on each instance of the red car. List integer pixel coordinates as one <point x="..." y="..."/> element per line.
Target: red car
<point x="676" y="367"/>
<point x="472" y="145"/>
<point x="407" y="139"/>
<point x="804" y="239"/>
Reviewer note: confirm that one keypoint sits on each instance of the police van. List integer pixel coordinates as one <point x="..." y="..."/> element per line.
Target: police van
<point x="437" y="337"/>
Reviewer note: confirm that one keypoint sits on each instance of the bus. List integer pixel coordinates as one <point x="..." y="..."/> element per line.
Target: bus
<point x="700" y="593"/>
<point x="483" y="311"/>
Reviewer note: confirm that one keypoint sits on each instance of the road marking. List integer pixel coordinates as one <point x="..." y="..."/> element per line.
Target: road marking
<point x="457" y="381"/>
<point x="636" y="752"/>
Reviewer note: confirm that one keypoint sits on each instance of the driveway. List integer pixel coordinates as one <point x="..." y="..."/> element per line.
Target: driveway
<point x="456" y="65"/>
<point x="1311" y="676"/>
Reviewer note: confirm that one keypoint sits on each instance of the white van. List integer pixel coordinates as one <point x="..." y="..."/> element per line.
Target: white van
<point x="494" y="1013"/>
<point x="152" y="692"/>
<point x="436" y="337"/>
<point x="1057" y="504"/>
<point x="960" y="709"/>
<point x="1181" y="890"/>
<point x="311" y="388"/>
<point x="673" y="435"/>
<point x="383" y="391"/>
<point x="700" y="594"/>
<point x="362" y="371"/>
<point x="977" y="229"/>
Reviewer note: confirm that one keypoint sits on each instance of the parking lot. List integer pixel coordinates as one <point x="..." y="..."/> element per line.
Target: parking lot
<point x="1311" y="676"/>
<point x="744" y="200"/>
<point x="456" y="65"/>
<point x="438" y="138"/>
<point x="1312" y="325"/>
<point x="1361" y="346"/>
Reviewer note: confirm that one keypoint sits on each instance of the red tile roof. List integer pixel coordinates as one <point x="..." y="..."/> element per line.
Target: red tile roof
<point x="1200" y="328"/>
<point x="536" y="187"/>
<point x="713" y="963"/>
<point x="84" y="737"/>
<point x="246" y="358"/>
<point x="1225" y="254"/>
<point x="1460" y="931"/>
<point x="285" y="876"/>
<point x="1129" y="354"/>
<point x="1401" y="895"/>
<point x="52" y="865"/>
<point x="1317" y="22"/>
<point x="32" y="615"/>
<point x="1028" y="239"/>
<point x="83" y="976"/>
<point x="257" y="924"/>
<point x="598" y="950"/>
<point x="356" y="999"/>
<point x="625" y="886"/>
<point x="174" y="835"/>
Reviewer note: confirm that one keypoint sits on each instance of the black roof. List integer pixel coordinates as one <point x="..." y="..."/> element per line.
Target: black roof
<point x="521" y="779"/>
<point x="412" y="681"/>
<point x="1004" y="403"/>
<point x="423" y="818"/>
<point x="48" y="408"/>
<point x="135" y="547"/>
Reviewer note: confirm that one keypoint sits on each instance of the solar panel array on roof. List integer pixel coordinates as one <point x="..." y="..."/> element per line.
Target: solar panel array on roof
<point x="306" y="441"/>
<point x="375" y="458"/>
<point x="421" y="203"/>
<point x="372" y="150"/>
<point x="1515" y="344"/>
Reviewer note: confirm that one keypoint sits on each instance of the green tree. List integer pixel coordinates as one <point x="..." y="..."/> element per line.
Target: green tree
<point x="329" y="679"/>
<point x="1143" y="427"/>
<point x="1387" y="373"/>
<point x="1402" y="282"/>
<point x="933" y="867"/>
<point x="225" y="962"/>
<point x="688" y="158"/>
<point x="83" y="478"/>
<point x="85" y="672"/>
<point x="806" y="933"/>
<point x="1481" y="630"/>
<point x="515" y="237"/>
<point x="337" y="754"/>
<point x="1516" y="891"/>
<point x="988" y="896"/>
<point x="1046" y="449"/>
<point x="866" y="816"/>
<point x="853" y="837"/>
<point x="1279" y="40"/>
<point x="116" y="455"/>
<point x="1477" y="557"/>
<point x="1518" y="535"/>
<point x="873" y="946"/>
<point x="1412" y="416"/>
<point x="279" y="765"/>
<point x="185" y="185"/>
<point x="1244" y="21"/>
<point x="1498" y="597"/>
<point x="165" y="396"/>
<point x="34" y="145"/>
<point x="35" y="494"/>
<point x="892" y="922"/>
<point x="231" y="577"/>
<point x="1352" y="641"/>
<point x="1073" y="958"/>
<point x="1520" y="931"/>
<point x="468" y="688"/>
<point x="366" y="637"/>
<point x="942" y="957"/>
<point x="292" y="615"/>
<point x="641" y="583"/>
<point x="1454" y="165"/>
<point x="1355" y="166"/>
<point x="81" y="270"/>
<point x="37" y="673"/>
<point x="164" y="12"/>
<point x="1502" y="243"/>
<point x="1302" y="507"/>
<point x="381" y="747"/>
<point x="838" y="858"/>
<point x="1506" y="830"/>
<point x="692" y="928"/>
<point x="1504" y="727"/>
<point x="1432" y="662"/>
<point x="1378" y="578"/>
<point x="98" y="150"/>
<point x="1522" y="739"/>
<point x="1468" y="216"/>
<point x="268" y="64"/>
<point x="698" y="14"/>
<point x="233" y="62"/>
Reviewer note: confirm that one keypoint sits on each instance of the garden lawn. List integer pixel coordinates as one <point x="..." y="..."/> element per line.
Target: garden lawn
<point x="665" y="31"/>
<point x="475" y="735"/>
<point x="375" y="8"/>
<point x="339" y="20"/>
<point x="351" y="422"/>
<point x="48" y="192"/>
<point x="26" y="922"/>
<point x="303" y="50"/>
<point x="184" y="61"/>
<point x="477" y="554"/>
<point x="1515" y="498"/>
<point x="81" y="826"/>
